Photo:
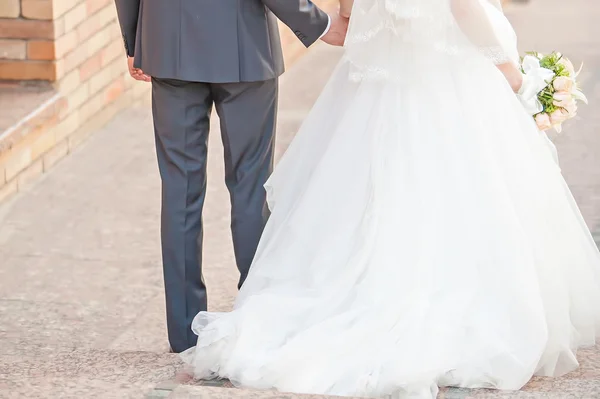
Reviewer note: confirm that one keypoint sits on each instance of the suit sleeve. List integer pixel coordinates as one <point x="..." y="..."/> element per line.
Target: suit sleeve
<point x="128" y="11"/>
<point x="302" y="16"/>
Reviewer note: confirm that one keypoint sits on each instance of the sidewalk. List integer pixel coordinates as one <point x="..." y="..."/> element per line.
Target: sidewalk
<point x="81" y="297"/>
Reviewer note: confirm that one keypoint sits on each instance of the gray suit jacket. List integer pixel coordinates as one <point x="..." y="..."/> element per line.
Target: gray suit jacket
<point x="215" y="41"/>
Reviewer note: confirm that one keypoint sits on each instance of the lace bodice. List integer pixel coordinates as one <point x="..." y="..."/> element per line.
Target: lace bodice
<point x="385" y="35"/>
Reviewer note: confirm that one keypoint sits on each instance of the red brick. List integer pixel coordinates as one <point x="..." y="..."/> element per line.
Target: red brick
<point x="13" y="49"/>
<point x="27" y="70"/>
<point x="41" y="50"/>
<point x="9" y="9"/>
<point x="114" y="90"/>
<point x="37" y="9"/>
<point x="26" y="29"/>
<point x="90" y="67"/>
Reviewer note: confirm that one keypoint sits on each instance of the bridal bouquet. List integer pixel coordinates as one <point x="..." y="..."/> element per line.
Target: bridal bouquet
<point x="550" y="91"/>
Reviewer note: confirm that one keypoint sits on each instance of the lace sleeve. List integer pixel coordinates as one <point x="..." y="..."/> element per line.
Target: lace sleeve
<point x="484" y="24"/>
<point x="384" y="34"/>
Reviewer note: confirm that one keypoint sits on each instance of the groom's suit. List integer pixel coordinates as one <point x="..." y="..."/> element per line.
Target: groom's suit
<point x="200" y="53"/>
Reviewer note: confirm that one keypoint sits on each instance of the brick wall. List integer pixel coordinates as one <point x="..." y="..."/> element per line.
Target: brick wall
<point x="90" y="66"/>
<point x="76" y="47"/>
<point x="26" y="46"/>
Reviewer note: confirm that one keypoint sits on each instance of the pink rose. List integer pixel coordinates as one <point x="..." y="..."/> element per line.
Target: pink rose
<point x="559" y="116"/>
<point x="563" y="99"/>
<point x="571" y="109"/>
<point x="563" y="84"/>
<point x="568" y="65"/>
<point x="543" y="121"/>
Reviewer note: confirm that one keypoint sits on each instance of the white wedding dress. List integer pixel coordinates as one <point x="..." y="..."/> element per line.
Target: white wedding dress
<point x="421" y="232"/>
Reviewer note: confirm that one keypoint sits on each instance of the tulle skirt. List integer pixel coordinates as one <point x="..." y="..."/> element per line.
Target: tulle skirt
<point x="421" y="236"/>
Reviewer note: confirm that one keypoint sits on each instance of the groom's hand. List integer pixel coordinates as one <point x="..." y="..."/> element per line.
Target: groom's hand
<point x="337" y="31"/>
<point x="137" y="73"/>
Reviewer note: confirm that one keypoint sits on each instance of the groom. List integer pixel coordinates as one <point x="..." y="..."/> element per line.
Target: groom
<point x="200" y="53"/>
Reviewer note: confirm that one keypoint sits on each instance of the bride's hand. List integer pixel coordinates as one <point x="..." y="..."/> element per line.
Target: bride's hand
<point x="346" y="8"/>
<point x="513" y="75"/>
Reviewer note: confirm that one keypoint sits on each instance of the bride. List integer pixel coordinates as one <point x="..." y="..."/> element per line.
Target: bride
<point x="421" y="232"/>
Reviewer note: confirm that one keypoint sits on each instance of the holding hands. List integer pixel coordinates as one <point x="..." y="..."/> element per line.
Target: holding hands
<point x="339" y="24"/>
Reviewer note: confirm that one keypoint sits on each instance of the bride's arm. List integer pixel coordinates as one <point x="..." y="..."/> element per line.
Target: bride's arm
<point x="477" y="26"/>
<point x="512" y="74"/>
<point x="346" y="8"/>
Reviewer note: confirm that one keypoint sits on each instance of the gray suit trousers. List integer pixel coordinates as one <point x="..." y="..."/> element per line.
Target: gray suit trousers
<point x="182" y="109"/>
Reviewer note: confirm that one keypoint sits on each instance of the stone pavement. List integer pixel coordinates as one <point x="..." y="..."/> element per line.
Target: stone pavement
<point x="81" y="298"/>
